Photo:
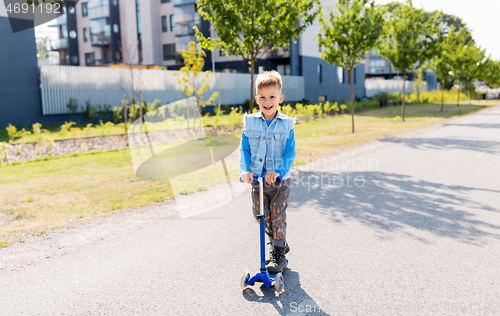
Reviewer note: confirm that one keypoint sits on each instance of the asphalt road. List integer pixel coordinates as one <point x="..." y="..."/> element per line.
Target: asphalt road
<point x="409" y="225"/>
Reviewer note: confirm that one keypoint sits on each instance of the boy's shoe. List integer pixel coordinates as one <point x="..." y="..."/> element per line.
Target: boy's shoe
<point x="270" y="254"/>
<point x="278" y="260"/>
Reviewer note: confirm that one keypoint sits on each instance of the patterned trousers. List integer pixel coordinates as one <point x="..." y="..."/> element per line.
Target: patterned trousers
<point x="276" y="196"/>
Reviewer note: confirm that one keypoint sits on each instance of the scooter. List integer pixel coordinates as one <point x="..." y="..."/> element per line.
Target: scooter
<point x="269" y="279"/>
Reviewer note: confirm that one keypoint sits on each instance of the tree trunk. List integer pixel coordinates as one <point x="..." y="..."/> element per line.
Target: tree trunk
<point x="252" y="70"/>
<point x="125" y="117"/>
<point x="352" y="98"/>
<point x="470" y="96"/>
<point x="458" y="95"/>
<point x="404" y="91"/>
<point x="442" y="96"/>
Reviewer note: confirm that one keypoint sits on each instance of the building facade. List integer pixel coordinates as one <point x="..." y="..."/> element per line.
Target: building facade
<point x="379" y="67"/>
<point x="152" y="32"/>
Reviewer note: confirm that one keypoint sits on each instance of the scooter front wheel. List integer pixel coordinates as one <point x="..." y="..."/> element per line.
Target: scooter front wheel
<point x="279" y="283"/>
<point x="244" y="280"/>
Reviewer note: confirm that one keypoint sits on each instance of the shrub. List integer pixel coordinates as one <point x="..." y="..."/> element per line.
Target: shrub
<point x="65" y="127"/>
<point x="90" y="111"/>
<point x="11" y="131"/>
<point x="72" y="105"/>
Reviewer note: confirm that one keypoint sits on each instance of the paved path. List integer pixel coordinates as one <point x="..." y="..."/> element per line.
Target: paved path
<point x="409" y="225"/>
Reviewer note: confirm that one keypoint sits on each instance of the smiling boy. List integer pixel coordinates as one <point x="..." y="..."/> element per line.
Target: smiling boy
<point x="268" y="150"/>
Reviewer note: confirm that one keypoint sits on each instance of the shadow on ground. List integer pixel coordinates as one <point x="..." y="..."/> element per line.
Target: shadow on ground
<point x="293" y="300"/>
<point x="490" y="147"/>
<point x="394" y="202"/>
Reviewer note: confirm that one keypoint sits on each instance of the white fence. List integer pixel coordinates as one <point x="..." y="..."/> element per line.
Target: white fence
<point x="110" y="85"/>
<point x="375" y="86"/>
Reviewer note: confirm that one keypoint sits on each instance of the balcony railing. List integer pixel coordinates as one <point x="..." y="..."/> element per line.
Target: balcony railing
<point x="60" y="20"/>
<point x="279" y="53"/>
<point x="185" y="28"/>
<point x="380" y="70"/>
<point x="183" y="2"/>
<point x="101" y="38"/>
<point x="99" y="12"/>
<point x="59" y="44"/>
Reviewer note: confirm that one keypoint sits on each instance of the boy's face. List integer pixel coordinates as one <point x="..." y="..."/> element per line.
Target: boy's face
<point x="268" y="99"/>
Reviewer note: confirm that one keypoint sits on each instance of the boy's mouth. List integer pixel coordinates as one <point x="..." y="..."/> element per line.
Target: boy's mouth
<point x="268" y="107"/>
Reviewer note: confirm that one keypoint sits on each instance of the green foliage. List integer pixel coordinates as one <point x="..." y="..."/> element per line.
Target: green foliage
<point x="251" y="28"/>
<point x="410" y="39"/>
<point x="72" y="105"/>
<point x="419" y="84"/>
<point x="11" y="132"/>
<point x="4" y="149"/>
<point x="42" y="51"/>
<point x="65" y="127"/>
<point x="193" y="64"/>
<point x="90" y="111"/>
<point x="350" y="31"/>
<point x="491" y="73"/>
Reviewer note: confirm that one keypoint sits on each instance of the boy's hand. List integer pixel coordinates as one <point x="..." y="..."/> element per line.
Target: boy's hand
<point x="271" y="177"/>
<point x="247" y="177"/>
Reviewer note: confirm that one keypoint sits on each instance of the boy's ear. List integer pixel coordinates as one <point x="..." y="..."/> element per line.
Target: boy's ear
<point x="257" y="99"/>
<point x="282" y="98"/>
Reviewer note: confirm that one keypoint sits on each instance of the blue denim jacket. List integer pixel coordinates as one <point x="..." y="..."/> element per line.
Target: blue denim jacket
<point x="267" y="148"/>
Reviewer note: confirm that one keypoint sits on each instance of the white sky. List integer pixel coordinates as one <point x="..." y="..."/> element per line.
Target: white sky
<point x="481" y="16"/>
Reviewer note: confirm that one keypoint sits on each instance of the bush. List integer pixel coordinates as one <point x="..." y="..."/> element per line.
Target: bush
<point x="90" y="111"/>
<point x="72" y="105"/>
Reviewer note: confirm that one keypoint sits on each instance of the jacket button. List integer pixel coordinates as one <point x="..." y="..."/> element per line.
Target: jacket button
<point x="260" y="159"/>
<point x="263" y="138"/>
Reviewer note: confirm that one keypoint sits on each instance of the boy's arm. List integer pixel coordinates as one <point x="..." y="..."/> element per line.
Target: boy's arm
<point x="289" y="157"/>
<point x="244" y="154"/>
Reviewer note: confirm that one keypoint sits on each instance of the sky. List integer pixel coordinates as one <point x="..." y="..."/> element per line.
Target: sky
<point x="481" y="17"/>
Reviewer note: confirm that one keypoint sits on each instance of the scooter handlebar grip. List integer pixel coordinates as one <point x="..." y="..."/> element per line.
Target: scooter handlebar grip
<point x="256" y="179"/>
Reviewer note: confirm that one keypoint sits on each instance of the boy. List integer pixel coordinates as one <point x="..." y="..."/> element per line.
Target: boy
<point x="268" y="150"/>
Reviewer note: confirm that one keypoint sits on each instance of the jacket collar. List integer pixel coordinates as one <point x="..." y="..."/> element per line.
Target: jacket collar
<point x="278" y="115"/>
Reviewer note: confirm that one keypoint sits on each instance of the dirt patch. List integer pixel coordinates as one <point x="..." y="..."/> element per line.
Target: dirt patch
<point x="58" y="242"/>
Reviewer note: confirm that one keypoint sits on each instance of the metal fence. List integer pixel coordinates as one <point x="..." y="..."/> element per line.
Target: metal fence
<point x="109" y="85"/>
<point x="375" y="86"/>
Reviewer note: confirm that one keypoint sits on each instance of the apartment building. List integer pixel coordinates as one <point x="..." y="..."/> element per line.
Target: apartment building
<point x="379" y="67"/>
<point x="151" y="32"/>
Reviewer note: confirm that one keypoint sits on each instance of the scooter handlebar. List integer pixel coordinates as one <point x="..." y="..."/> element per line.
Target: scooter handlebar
<point x="256" y="179"/>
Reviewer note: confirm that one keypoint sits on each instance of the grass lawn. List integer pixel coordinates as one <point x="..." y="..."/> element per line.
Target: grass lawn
<point x="56" y="192"/>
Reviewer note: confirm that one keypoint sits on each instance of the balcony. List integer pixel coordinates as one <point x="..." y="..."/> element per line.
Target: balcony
<point x="183" y="2"/>
<point x="278" y="53"/>
<point x="185" y="28"/>
<point x="58" y="44"/>
<point x="380" y="70"/>
<point x="60" y="20"/>
<point x="102" y="38"/>
<point x="99" y="12"/>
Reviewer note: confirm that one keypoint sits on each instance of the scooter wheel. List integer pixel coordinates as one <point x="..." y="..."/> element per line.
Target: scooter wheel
<point x="244" y="280"/>
<point x="279" y="283"/>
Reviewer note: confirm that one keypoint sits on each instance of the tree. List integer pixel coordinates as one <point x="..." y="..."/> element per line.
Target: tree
<point x="193" y="64"/>
<point x="466" y="60"/>
<point x="491" y="73"/>
<point x="251" y="28"/>
<point x="42" y="51"/>
<point x="349" y="32"/>
<point x="419" y="82"/>
<point x="410" y="39"/>
<point x="442" y="63"/>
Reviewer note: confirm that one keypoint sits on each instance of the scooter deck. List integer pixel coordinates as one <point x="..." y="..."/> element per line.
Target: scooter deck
<point x="266" y="277"/>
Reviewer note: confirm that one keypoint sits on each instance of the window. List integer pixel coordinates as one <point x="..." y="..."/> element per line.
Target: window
<point x="320" y="74"/>
<point x="261" y="69"/>
<point x="85" y="35"/>
<point x="377" y="66"/>
<point x="172" y="25"/>
<point x="89" y="59"/>
<point x="284" y="70"/>
<point x="168" y="51"/>
<point x="221" y="53"/>
<point x="340" y="74"/>
<point x="164" y="23"/>
<point x="165" y="1"/>
<point x="85" y="9"/>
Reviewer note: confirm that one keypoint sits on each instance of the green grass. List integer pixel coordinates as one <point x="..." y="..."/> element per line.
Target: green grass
<point x="46" y="193"/>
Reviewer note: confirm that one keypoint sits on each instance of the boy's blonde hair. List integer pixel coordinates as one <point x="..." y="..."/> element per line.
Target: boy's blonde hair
<point x="269" y="79"/>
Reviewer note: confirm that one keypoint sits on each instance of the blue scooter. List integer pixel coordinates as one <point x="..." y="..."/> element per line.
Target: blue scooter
<point x="269" y="279"/>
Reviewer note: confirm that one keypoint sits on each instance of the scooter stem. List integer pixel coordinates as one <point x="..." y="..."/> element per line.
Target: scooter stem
<point x="262" y="223"/>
